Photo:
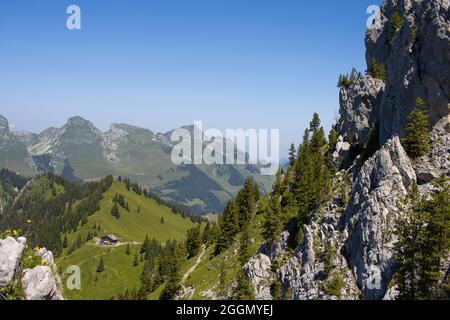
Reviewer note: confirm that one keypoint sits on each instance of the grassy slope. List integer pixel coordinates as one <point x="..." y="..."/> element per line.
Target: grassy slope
<point x="206" y="275"/>
<point x="131" y="227"/>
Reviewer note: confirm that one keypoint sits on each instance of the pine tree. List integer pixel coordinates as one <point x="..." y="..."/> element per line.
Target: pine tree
<point x="206" y="235"/>
<point x="276" y="290"/>
<point x="417" y="141"/>
<point x="244" y="244"/>
<point x="222" y="278"/>
<point x="193" y="241"/>
<point x="292" y="155"/>
<point x="423" y="240"/>
<point x="128" y="249"/>
<point x="65" y="243"/>
<point x="315" y="123"/>
<point x="136" y="260"/>
<point x="115" y="212"/>
<point x="437" y="239"/>
<point x="229" y="226"/>
<point x="101" y="266"/>
<point x="245" y="203"/>
<point x="407" y="250"/>
<point x="272" y="220"/>
<point x="172" y="274"/>
<point x="145" y="245"/>
<point x="244" y="289"/>
<point x="377" y="70"/>
<point x="161" y="221"/>
<point x="372" y="144"/>
<point x="396" y="23"/>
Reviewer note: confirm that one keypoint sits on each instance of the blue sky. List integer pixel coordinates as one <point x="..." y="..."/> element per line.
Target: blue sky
<point x="162" y="64"/>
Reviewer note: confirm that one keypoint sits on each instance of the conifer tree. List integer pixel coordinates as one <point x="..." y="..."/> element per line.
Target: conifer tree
<point x="423" y="241"/>
<point x="128" y="249"/>
<point x="292" y="155"/>
<point x="244" y="243"/>
<point x="193" y="241"/>
<point x="101" y="266"/>
<point x="222" y="278"/>
<point x="272" y="220"/>
<point x="228" y="226"/>
<point x="244" y="289"/>
<point x="136" y="260"/>
<point x="206" y="235"/>
<point x="115" y="211"/>
<point x="315" y="123"/>
<point x="417" y="141"/>
<point x="396" y="23"/>
<point x="65" y="243"/>
<point x="245" y="203"/>
<point x="437" y="240"/>
<point x="172" y="273"/>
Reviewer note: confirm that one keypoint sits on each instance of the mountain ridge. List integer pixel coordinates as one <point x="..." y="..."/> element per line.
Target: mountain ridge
<point x="123" y="150"/>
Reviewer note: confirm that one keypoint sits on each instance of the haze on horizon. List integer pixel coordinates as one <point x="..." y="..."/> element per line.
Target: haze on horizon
<point x="164" y="64"/>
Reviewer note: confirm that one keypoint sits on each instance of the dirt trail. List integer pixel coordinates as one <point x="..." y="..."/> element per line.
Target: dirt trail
<point x="197" y="262"/>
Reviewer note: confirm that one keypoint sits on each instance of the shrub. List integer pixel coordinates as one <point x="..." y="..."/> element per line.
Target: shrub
<point x="333" y="286"/>
<point x="396" y="23"/>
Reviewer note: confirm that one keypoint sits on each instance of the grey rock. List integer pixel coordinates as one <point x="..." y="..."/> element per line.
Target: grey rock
<point x="370" y="217"/>
<point x="39" y="284"/>
<point x="342" y="154"/>
<point x="275" y="250"/>
<point x="391" y="294"/>
<point x="10" y="255"/>
<point x="359" y="108"/>
<point x="47" y="256"/>
<point x="437" y="161"/>
<point x="415" y="67"/>
<point x="258" y="269"/>
<point x="304" y="274"/>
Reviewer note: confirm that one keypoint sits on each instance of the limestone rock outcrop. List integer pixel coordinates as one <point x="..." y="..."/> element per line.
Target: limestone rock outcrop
<point x="416" y="58"/>
<point x="10" y="256"/>
<point x="40" y="282"/>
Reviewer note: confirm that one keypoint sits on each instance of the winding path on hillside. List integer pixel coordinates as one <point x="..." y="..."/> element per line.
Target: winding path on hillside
<point x="197" y="262"/>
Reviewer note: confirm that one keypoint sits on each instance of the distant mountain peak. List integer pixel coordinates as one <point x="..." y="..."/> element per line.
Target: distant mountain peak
<point x="78" y="121"/>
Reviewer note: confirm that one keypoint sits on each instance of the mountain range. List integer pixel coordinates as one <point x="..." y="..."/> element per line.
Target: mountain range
<point x="81" y="152"/>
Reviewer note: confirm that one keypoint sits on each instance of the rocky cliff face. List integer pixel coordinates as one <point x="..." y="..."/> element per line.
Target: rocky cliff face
<point x="347" y="250"/>
<point x="416" y="57"/>
<point x="19" y="279"/>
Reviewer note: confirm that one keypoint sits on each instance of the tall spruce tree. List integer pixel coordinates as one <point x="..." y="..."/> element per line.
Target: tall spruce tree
<point x="272" y="220"/>
<point x="417" y="138"/>
<point x="410" y="233"/>
<point x="292" y="155"/>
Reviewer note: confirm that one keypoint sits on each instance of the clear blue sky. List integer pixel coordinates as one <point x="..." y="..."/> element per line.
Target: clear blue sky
<point x="162" y="64"/>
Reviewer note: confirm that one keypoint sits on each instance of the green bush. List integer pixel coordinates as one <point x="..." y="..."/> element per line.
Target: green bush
<point x="333" y="286"/>
<point x="377" y="70"/>
<point x="396" y="24"/>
